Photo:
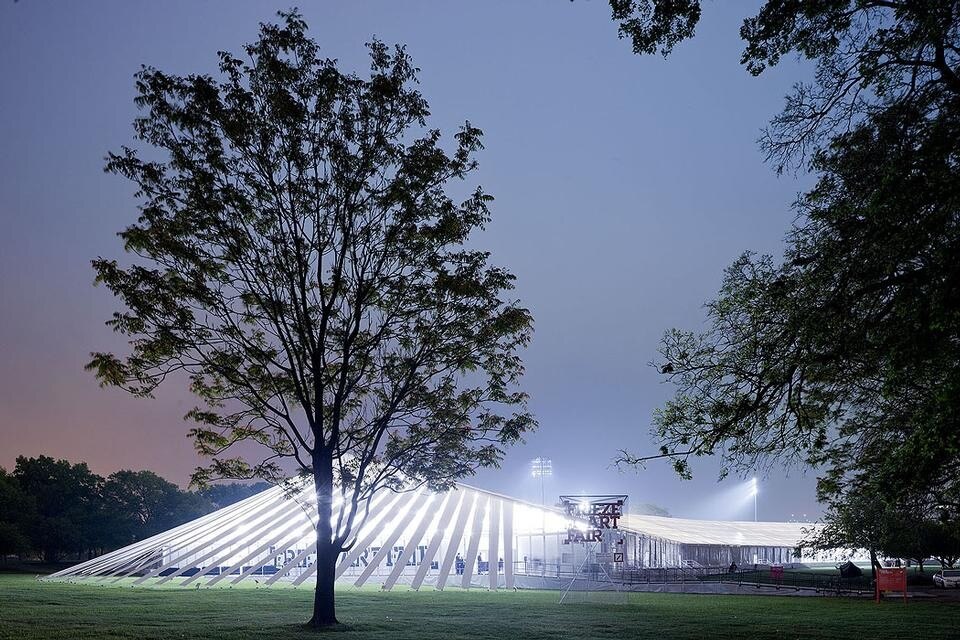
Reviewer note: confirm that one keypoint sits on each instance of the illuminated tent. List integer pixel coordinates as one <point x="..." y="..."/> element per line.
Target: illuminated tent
<point x="466" y="538"/>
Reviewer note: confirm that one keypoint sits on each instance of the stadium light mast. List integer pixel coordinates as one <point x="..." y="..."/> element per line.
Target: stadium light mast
<point x="541" y="468"/>
<point x="754" y="490"/>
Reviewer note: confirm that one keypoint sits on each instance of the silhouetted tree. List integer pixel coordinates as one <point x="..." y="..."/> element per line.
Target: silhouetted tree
<point x="864" y="517"/>
<point x="14" y="513"/>
<point x="845" y="354"/>
<point x="298" y="256"/>
<point x="943" y="538"/>
<point x="140" y="504"/>
<point x="870" y="54"/>
<point x="63" y="505"/>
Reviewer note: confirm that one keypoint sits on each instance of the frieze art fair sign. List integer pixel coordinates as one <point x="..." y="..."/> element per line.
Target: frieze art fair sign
<point x="599" y="514"/>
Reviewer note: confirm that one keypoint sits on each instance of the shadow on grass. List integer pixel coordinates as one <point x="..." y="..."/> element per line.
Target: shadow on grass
<point x="332" y="628"/>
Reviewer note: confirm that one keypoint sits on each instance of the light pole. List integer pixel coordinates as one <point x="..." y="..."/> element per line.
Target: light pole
<point x="754" y="490"/>
<point x="541" y="468"/>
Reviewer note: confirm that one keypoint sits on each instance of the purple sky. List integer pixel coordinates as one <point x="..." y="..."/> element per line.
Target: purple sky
<point x="624" y="186"/>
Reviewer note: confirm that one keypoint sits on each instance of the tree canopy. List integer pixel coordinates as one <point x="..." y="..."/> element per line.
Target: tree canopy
<point x="869" y="54"/>
<point x="140" y="504"/>
<point x="300" y="259"/>
<point x="845" y="353"/>
<point x="61" y="511"/>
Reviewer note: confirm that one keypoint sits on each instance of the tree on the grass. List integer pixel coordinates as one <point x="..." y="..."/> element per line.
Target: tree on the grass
<point x="300" y="259"/>
<point x="139" y="504"/>
<point x="859" y="521"/>
<point x="944" y="541"/>
<point x="863" y="517"/>
<point x="845" y="354"/>
<point x="14" y="513"/>
<point x="63" y="505"/>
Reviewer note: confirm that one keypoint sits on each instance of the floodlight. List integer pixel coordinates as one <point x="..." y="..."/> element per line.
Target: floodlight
<point x="541" y="467"/>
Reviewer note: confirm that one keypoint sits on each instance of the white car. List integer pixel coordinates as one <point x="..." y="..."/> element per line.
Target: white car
<point x="947" y="578"/>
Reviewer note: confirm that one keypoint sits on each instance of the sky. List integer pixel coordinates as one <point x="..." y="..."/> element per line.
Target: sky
<point x="624" y="185"/>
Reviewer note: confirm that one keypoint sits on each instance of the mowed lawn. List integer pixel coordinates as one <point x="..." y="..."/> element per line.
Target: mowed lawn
<point x="30" y="609"/>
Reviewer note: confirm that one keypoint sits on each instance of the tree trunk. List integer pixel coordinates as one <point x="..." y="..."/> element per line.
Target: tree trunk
<point x="324" y="609"/>
<point x="874" y="563"/>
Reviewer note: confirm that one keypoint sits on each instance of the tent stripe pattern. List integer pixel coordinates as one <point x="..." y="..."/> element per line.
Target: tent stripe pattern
<point x="466" y="538"/>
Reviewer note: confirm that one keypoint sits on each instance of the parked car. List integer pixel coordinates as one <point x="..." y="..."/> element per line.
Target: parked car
<point x="947" y="578"/>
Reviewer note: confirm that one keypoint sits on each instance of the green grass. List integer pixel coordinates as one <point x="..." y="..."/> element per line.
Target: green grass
<point x="30" y="609"/>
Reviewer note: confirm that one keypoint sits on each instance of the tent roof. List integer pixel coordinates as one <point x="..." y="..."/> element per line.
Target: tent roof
<point x="720" y="532"/>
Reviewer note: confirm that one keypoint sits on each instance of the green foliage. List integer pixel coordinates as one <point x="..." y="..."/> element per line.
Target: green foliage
<point x="865" y="517"/>
<point x="300" y="260"/>
<point x="14" y="512"/>
<point x="33" y="610"/>
<point x="869" y="54"/>
<point x="62" y="505"/>
<point x="140" y="504"/>
<point x="62" y="511"/>
<point x="653" y="25"/>
<point x="845" y="354"/>
<point x="302" y="264"/>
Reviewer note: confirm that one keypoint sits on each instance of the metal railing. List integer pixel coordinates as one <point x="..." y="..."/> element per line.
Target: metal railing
<point x="760" y="577"/>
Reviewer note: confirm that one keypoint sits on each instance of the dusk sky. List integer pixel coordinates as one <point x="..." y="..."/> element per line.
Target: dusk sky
<point x="624" y="185"/>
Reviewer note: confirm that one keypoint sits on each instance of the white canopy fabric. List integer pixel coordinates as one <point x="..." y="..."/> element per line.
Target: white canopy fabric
<point x="719" y="532"/>
<point x="414" y="538"/>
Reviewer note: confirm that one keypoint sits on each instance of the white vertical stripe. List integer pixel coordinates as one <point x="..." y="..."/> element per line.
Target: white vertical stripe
<point x="412" y="541"/>
<point x="294" y="524"/>
<point x="456" y="497"/>
<point x="476" y="530"/>
<point x="282" y="549"/>
<point x="374" y="528"/>
<point x="294" y="561"/>
<point x="186" y="548"/>
<point x="508" y="539"/>
<point x="453" y="545"/>
<point x="183" y="535"/>
<point x="492" y="548"/>
<point x="342" y="562"/>
<point x="225" y="550"/>
<point x="126" y="555"/>
<point x="422" y="497"/>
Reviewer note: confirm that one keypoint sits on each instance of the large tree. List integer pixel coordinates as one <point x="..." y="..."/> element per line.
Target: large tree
<point x="845" y="353"/>
<point x="139" y="504"/>
<point x="62" y="506"/>
<point x="864" y="517"/>
<point x="300" y="259"/>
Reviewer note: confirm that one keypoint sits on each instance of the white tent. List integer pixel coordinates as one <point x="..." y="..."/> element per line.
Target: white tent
<point x="466" y="538"/>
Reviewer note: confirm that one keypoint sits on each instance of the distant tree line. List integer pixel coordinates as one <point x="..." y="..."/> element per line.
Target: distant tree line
<point x="866" y="518"/>
<point x="57" y="511"/>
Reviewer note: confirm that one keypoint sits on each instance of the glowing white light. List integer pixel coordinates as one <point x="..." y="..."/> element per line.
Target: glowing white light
<point x="541" y="467"/>
<point x="754" y="487"/>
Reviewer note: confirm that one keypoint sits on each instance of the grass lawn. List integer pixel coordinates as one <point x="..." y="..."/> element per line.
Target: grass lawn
<point x="31" y="609"/>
